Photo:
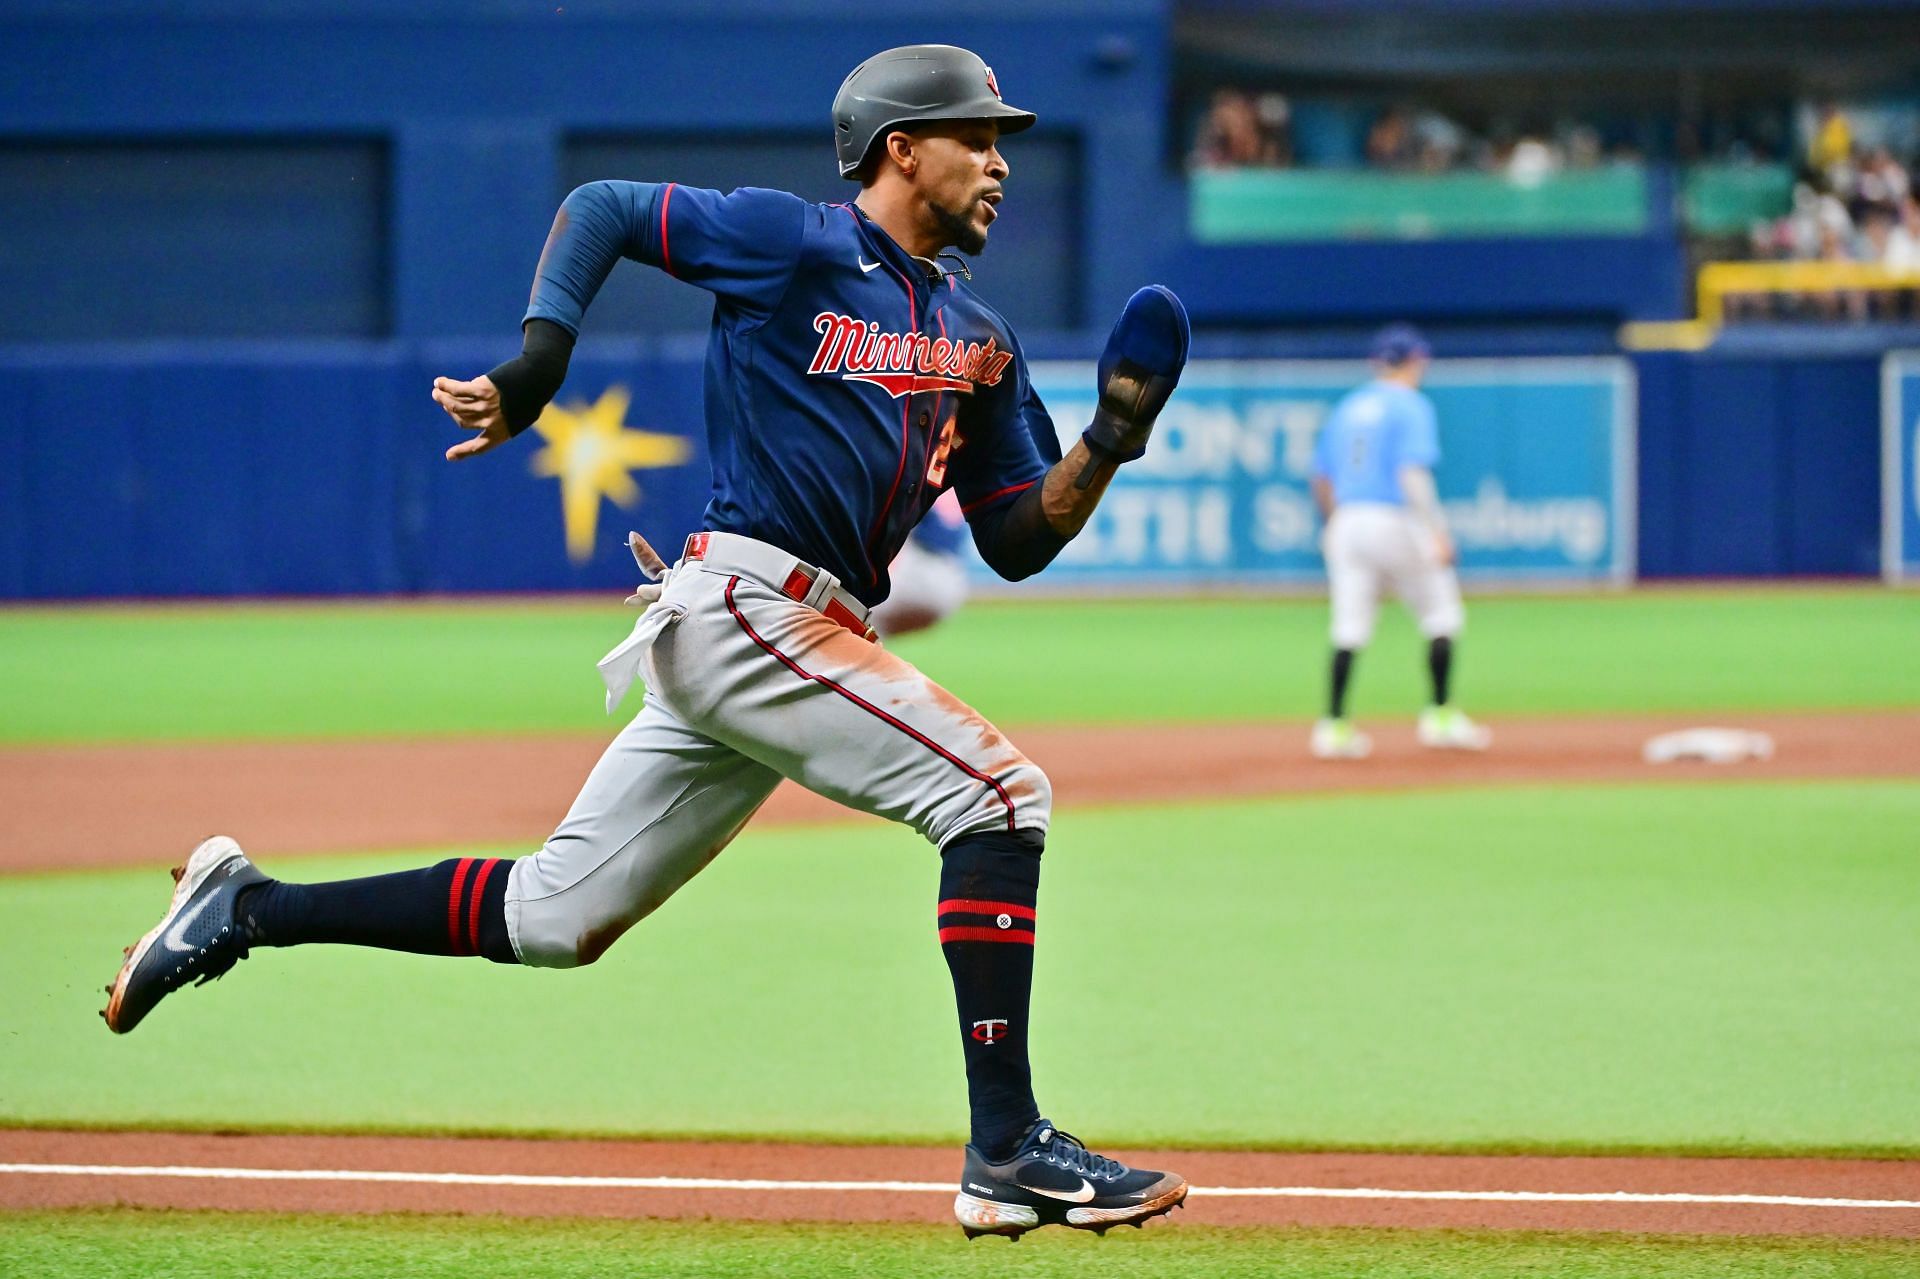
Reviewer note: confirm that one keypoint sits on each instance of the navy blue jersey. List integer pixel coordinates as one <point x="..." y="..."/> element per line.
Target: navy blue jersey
<point x="846" y="385"/>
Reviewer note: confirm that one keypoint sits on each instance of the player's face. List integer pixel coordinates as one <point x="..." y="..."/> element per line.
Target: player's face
<point x="960" y="176"/>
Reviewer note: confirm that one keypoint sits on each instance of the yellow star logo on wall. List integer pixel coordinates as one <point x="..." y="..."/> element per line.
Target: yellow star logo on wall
<point x="590" y="450"/>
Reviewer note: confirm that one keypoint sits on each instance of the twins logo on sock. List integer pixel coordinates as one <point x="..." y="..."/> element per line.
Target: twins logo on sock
<point x="990" y="1031"/>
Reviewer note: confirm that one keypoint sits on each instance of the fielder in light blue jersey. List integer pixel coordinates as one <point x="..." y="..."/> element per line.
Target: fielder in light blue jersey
<point x="1373" y="480"/>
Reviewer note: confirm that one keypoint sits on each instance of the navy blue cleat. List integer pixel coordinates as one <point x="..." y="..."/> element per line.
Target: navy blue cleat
<point x="1054" y="1180"/>
<point x="198" y="937"/>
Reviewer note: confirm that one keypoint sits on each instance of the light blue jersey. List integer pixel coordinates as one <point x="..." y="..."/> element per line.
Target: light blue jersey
<point x="1372" y="433"/>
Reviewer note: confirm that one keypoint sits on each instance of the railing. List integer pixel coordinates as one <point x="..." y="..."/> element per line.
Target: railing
<point x="1717" y="281"/>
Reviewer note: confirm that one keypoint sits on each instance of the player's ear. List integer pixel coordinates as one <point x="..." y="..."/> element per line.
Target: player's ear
<point x="900" y="152"/>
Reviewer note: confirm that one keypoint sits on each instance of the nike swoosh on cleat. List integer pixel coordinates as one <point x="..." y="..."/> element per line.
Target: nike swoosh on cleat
<point x="1080" y="1196"/>
<point x="869" y="266"/>
<point x="176" y="931"/>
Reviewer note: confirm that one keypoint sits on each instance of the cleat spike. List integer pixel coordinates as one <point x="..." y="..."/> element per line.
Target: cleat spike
<point x="178" y="871"/>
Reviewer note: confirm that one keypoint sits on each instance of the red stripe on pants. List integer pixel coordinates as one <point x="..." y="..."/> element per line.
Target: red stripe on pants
<point x="869" y="707"/>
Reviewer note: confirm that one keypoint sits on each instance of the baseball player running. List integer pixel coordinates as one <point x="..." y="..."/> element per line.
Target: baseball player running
<point x="852" y="376"/>
<point x="1373" y="481"/>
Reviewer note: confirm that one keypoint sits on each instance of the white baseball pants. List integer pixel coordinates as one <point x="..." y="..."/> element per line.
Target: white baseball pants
<point x="1371" y="548"/>
<point x="746" y="685"/>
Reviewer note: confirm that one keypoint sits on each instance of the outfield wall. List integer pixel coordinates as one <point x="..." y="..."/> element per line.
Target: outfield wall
<point x="1900" y="466"/>
<point x="315" y="468"/>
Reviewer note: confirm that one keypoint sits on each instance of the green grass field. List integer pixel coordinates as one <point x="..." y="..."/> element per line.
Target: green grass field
<point x="133" y="673"/>
<point x="141" y="1245"/>
<point x="1705" y="968"/>
<point x="1715" y="967"/>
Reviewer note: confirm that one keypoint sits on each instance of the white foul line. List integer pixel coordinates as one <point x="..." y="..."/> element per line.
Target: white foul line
<point x="905" y="1187"/>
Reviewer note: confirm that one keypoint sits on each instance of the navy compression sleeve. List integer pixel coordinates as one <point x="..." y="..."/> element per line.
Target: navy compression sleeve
<point x="598" y="224"/>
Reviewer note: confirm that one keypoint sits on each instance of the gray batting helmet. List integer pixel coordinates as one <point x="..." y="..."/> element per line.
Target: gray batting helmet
<point x="910" y="84"/>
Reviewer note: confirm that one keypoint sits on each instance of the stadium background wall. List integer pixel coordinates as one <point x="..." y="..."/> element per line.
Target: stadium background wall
<point x="252" y="243"/>
<point x="172" y="176"/>
<point x="314" y="467"/>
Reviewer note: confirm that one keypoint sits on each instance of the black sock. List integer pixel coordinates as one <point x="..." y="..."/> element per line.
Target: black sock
<point x="988" y="885"/>
<point x="455" y="908"/>
<point x="1342" y="668"/>
<point x="1440" y="666"/>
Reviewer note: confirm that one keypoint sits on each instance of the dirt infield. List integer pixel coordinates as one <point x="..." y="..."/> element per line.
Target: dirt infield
<point x="71" y="807"/>
<point x="331" y="1174"/>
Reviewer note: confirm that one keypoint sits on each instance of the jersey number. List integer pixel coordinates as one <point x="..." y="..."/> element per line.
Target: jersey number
<point x="937" y="464"/>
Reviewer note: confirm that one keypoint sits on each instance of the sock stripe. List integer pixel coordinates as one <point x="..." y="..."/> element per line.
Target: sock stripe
<point x="453" y="905"/>
<point x="1005" y="935"/>
<point x="473" y="908"/>
<point x="977" y="906"/>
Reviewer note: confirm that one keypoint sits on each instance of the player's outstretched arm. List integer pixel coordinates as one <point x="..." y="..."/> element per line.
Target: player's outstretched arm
<point x="1138" y="370"/>
<point x="597" y="225"/>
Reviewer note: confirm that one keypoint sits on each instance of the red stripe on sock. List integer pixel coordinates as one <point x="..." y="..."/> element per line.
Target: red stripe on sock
<point x="453" y="904"/>
<point x="974" y="906"/>
<point x="985" y="934"/>
<point x="473" y="910"/>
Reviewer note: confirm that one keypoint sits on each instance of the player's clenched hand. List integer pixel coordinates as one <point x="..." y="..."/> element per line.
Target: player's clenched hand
<point x="475" y="406"/>
<point x="1444" y="551"/>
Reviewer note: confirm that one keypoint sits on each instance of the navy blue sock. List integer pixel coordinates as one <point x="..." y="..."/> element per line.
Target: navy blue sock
<point x="1440" y="667"/>
<point x="455" y="908"/>
<point x="988" y="885"/>
<point x="1337" y="686"/>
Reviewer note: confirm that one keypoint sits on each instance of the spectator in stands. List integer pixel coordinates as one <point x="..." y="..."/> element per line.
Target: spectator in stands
<point x="1439" y="143"/>
<point x="1532" y="161"/>
<point x="1903" y="242"/>
<point x="1391" y="142"/>
<point x="1882" y="183"/>
<point x="1276" y="122"/>
<point x="1831" y="142"/>
<point x="1233" y="134"/>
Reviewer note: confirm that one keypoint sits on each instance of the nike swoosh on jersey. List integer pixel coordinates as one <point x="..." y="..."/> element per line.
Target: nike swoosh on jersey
<point x="1079" y="1196"/>
<point x="177" y="930"/>
<point x="869" y="266"/>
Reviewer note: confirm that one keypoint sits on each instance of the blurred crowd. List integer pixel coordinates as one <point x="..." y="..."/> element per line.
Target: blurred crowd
<point x="1853" y="197"/>
<point x="1852" y="203"/>
<point x="1242" y="129"/>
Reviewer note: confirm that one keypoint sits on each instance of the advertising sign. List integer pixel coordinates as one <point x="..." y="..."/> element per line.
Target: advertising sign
<point x="1536" y="476"/>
